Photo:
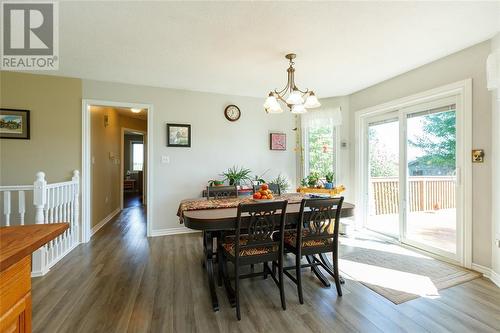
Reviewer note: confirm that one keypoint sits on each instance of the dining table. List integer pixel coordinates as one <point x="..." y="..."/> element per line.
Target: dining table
<point x="214" y="217"/>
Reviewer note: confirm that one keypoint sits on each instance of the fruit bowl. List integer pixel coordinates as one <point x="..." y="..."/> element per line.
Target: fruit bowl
<point x="263" y="200"/>
<point x="264" y="194"/>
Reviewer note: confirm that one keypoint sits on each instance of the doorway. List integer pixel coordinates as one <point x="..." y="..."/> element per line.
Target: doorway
<point x="134" y="158"/>
<point x="123" y="118"/>
<point x="413" y="159"/>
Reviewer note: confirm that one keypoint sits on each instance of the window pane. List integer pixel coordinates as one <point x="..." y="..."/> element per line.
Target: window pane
<point x="321" y="149"/>
<point x="137" y="156"/>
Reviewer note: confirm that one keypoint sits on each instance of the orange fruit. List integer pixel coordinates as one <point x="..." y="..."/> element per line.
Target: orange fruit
<point x="264" y="187"/>
<point x="264" y="197"/>
<point x="257" y="195"/>
<point x="269" y="196"/>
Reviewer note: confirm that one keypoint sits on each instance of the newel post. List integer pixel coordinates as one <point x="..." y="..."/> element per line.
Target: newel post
<point x="39" y="259"/>
<point x="39" y="196"/>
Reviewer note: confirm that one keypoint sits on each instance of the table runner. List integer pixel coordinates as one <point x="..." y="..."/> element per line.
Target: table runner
<point x="203" y="203"/>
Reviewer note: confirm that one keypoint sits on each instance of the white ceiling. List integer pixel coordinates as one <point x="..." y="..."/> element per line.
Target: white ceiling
<point x="238" y="48"/>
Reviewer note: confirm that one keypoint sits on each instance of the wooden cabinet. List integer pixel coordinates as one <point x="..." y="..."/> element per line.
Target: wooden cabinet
<point x="16" y="246"/>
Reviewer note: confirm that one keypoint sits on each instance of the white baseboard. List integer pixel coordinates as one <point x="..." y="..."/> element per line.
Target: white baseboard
<point x="487" y="273"/>
<point x="104" y="221"/>
<point x="495" y="277"/>
<point x="172" y="231"/>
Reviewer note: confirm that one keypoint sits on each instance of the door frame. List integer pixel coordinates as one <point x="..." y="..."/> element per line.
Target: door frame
<point x="463" y="92"/>
<point x="86" y="180"/>
<point x="122" y="161"/>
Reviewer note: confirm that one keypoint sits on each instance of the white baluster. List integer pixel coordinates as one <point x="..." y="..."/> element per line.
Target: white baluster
<point x="22" y="206"/>
<point x="76" y="204"/>
<point x="6" y="207"/>
<point x="39" y="196"/>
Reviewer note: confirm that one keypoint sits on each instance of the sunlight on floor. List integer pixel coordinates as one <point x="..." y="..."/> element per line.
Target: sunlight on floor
<point x="390" y="278"/>
<point x="372" y="244"/>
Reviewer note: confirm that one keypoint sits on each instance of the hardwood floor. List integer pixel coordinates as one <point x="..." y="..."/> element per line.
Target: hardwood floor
<point x="122" y="281"/>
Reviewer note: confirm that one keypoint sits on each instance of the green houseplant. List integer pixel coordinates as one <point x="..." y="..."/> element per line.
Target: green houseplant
<point x="215" y="182"/>
<point x="282" y="182"/>
<point x="313" y="179"/>
<point x="235" y="175"/>
<point x="303" y="182"/>
<point x="330" y="175"/>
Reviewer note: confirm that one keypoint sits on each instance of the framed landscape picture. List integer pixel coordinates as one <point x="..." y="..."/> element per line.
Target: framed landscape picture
<point x="14" y="124"/>
<point x="277" y="141"/>
<point x="178" y="135"/>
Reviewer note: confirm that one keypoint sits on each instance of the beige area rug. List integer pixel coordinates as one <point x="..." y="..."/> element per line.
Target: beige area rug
<point x="396" y="273"/>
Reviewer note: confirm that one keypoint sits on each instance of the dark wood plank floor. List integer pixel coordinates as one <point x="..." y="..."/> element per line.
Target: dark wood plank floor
<point x="122" y="281"/>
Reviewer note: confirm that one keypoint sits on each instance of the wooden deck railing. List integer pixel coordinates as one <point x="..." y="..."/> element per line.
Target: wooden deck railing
<point x="424" y="193"/>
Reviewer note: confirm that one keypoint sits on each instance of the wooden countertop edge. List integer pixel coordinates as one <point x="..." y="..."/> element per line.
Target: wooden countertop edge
<point x="32" y="244"/>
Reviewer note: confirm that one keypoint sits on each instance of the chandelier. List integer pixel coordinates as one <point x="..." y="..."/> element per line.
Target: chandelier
<point x="298" y="101"/>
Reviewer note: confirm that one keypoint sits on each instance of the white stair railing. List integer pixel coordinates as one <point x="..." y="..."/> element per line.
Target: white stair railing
<point x="52" y="203"/>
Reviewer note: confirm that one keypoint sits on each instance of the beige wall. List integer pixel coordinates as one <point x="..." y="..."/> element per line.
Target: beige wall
<point x="468" y="63"/>
<point x="216" y="143"/>
<point x="55" y="119"/>
<point x="106" y="173"/>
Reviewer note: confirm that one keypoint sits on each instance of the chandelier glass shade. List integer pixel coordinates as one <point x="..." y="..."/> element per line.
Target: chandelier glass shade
<point x="298" y="101"/>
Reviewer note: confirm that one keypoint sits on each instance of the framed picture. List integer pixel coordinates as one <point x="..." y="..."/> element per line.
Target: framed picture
<point x="178" y="135"/>
<point x="14" y="124"/>
<point x="477" y="156"/>
<point x="277" y="141"/>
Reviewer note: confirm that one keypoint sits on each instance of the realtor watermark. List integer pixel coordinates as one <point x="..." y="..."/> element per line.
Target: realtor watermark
<point x="30" y="35"/>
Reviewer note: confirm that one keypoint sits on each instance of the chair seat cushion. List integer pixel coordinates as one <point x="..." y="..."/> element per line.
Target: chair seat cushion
<point x="229" y="246"/>
<point x="290" y="238"/>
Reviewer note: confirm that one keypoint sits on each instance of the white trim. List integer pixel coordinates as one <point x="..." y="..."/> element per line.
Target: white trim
<point x="463" y="91"/>
<point x="87" y="167"/>
<point x="172" y="231"/>
<point x="495" y="277"/>
<point x="122" y="159"/>
<point x="104" y="221"/>
<point x="487" y="273"/>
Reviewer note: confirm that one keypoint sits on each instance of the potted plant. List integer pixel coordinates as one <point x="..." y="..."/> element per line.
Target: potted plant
<point x="313" y="179"/>
<point x="259" y="179"/>
<point x="282" y="182"/>
<point x="215" y="182"/>
<point x="303" y="182"/>
<point x="235" y="175"/>
<point x="330" y="175"/>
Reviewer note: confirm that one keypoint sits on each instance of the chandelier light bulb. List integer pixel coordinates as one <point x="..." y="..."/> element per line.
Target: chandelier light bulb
<point x="298" y="109"/>
<point x="312" y="101"/>
<point x="270" y="101"/>
<point x="294" y="98"/>
<point x="276" y="108"/>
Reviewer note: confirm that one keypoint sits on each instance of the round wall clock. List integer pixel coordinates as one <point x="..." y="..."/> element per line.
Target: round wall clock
<point x="232" y="112"/>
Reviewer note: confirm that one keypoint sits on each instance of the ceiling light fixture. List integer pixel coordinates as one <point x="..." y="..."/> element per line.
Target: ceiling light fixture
<point x="298" y="101"/>
<point x="135" y="110"/>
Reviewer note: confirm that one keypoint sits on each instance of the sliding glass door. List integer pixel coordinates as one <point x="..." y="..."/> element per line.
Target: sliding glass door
<point x="383" y="175"/>
<point x="431" y="219"/>
<point x="411" y="176"/>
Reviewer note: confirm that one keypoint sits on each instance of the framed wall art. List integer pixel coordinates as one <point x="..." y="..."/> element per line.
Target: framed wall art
<point x="277" y="141"/>
<point x="178" y="135"/>
<point x="14" y="124"/>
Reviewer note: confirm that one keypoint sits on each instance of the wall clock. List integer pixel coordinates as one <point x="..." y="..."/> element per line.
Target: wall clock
<point x="232" y="112"/>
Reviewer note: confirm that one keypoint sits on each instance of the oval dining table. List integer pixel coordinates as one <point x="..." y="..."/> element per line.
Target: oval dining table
<point x="216" y="220"/>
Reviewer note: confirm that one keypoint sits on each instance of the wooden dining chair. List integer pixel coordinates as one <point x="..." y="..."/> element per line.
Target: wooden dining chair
<point x="222" y="192"/>
<point x="317" y="232"/>
<point x="253" y="243"/>
<point x="275" y="188"/>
